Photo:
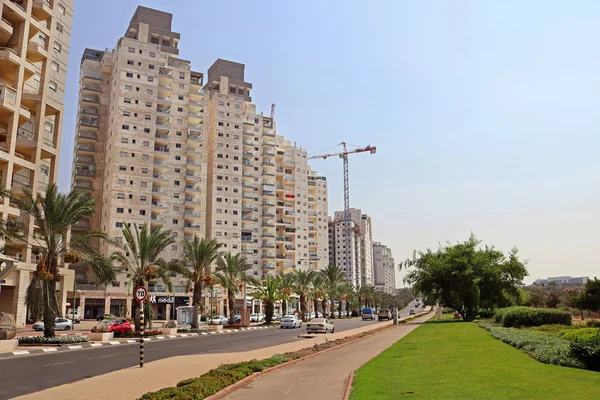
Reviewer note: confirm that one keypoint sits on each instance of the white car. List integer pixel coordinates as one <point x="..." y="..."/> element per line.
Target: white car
<point x="61" y="324"/>
<point x="257" y="317"/>
<point x="290" y="321"/>
<point x="319" y="325"/>
<point x="219" y="320"/>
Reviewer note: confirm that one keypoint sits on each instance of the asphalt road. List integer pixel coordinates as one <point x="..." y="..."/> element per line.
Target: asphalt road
<point x="28" y="374"/>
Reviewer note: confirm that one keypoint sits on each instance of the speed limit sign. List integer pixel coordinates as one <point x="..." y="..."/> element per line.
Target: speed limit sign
<point x="140" y="294"/>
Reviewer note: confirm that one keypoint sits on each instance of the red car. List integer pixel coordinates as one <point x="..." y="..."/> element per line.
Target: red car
<point x="120" y="326"/>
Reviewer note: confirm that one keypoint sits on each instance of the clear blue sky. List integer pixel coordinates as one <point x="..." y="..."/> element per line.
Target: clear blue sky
<point x="485" y="114"/>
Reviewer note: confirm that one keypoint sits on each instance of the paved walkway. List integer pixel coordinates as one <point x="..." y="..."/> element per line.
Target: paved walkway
<point x="132" y="383"/>
<point x="324" y="376"/>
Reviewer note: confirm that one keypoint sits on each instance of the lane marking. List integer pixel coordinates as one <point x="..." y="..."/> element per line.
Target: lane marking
<point x="59" y="363"/>
<point x="108" y="355"/>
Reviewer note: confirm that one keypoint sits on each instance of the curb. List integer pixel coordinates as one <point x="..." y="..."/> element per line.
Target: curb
<point x="88" y="345"/>
<point x="239" y="384"/>
<point x="349" y="386"/>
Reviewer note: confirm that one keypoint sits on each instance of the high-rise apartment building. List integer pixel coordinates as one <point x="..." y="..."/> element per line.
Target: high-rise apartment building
<point x="363" y="236"/>
<point x="34" y="50"/>
<point x="342" y="256"/>
<point x="158" y="144"/>
<point x="385" y="269"/>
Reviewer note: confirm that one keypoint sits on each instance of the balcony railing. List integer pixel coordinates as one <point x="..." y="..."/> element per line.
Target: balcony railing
<point x="162" y="149"/>
<point x="88" y="121"/>
<point x="91" y="99"/>
<point x="86" y="147"/>
<point x="92" y="75"/>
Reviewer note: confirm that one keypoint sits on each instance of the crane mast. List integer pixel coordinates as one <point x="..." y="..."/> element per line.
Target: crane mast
<point x="347" y="220"/>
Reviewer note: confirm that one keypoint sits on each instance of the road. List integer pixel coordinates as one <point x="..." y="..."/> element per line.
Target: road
<point x="27" y="374"/>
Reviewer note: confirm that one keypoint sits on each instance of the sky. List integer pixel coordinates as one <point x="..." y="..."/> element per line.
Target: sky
<point x="484" y="113"/>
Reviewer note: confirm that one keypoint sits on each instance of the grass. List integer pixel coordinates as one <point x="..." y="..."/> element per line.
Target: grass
<point x="459" y="360"/>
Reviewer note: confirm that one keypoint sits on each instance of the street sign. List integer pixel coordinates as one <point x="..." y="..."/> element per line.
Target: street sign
<point x="140" y="294"/>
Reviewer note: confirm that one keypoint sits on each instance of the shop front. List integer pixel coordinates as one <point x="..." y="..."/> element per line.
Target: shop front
<point x="162" y="306"/>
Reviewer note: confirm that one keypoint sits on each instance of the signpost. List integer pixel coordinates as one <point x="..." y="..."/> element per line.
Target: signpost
<point x="140" y="295"/>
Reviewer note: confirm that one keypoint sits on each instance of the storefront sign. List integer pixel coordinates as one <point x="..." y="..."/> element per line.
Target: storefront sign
<point x="183" y="301"/>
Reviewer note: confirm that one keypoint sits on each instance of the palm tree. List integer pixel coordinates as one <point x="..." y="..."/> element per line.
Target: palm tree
<point x="138" y="256"/>
<point x="367" y="295"/>
<point x="231" y="274"/>
<point x="286" y="283"/>
<point x="54" y="214"/>
<point x="303" y="281"/>
<point x="333" y="276"/>
<point x="269" y="293"/>
<point x="200" y="254"/>
<point x="346" y="292"/>
<point x="319" y="291"/>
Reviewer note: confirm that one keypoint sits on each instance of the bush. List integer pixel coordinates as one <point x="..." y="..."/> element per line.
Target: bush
<point x="544" y="347"/>
<point x="137" y="333"/>
<point x="587" y="350"/>
<point x="580" y="333"/>
<point x="592" y="323"/>
<point x="529" y="316"/>
<point x="57" y="340"/>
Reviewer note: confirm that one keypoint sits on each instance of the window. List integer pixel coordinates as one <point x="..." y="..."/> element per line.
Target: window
<point x="120" y="210"/>
<point x="131" y="49"/>
<point x="145" y="157"/>
<point x="123" y="154"/>
<point x="122" y="168"/>
<point x="182" y="75"/>
<point x="126" y="100"/>
<point x="125" y="127"/>
<point x="175" y="221"/>
<point x="180" y="97"/>
<point x="149" y="91"/>
<point x="142" y="212"/>
<point x="176" y="183"/>
<point x="181" y="86"/>
<point x="61" y="9"/>
<point x="144" y="184"/>
<point x="150" y="79"/>
<point x="179" y="109"/>
<point x="173" y="247"/>
<point x="237" y="106"/>
<point x="57" y="47"/>
<point x="147" y="117"/>
<point x="150" y="66"/>
<point x="119" y="224"/>
<point x="126" y="113"/>
<point x="130" y="62"/>
<point x="146" y="143"/>
<point x="55" y="66"/>
<point x="144" y="170"/>
<point x="124" y="140"/>
<point x="148" y="104"/>
<point x="120" y="195"/>
<point x="220" y="124"/>
<point x="146" y="130"/>
<point x="142" y="198"/>
<point x="178" y="145"/>
<point x="151" y="54"/>
<point x="52" y="85"/>
<point x="221" y="103"/>
<point x="129" y="75"/>
<point x="59" y="27"/>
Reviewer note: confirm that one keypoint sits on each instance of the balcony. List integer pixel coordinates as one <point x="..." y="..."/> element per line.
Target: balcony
<point x="192" y="214"/>
<point x="192" y="201"/>
<point x="159" y="177"/>
<point x="36" y="52"/>
<point x="192" y="188"/>
<point x="268" y="153"/>
<point x="161" y="149"/>
<point x="268" y="163"/>
<point x="268" y="203"/>
<point x="268" y="193"/>
<point x="158" y="218"/>
<point x="86" y="147"/>
<point x="270" y="256"/>
<point x="266" y="172"/>
<point x="268" y="266"/>
<point x="194" y="138"/>
<point x="6" y="31"/>
<point x="83" y="185"/>
<point x="164" y="99"/>
<point x="269" y="133"/>
<point x="8" y="97"/>
<point x="88" y="111"/>
<point x="189" y="226"/>
<point x="84" y="160"/>
<point x="93" y="75"/>
<point x="159" y="204"/>
<point x="289" y="247"/>
<point x="92" y="88"/>
<point x="91" y="99"/>
<point x="160" y="136"/>
<point x="268" y="234"/>
<point x="156" y="189"/>
<point x="41" y="9"/>
<point x="190" y="162"/>
<point x="163" y="124"/>
<point x="247" y="163"/>
<point x="163" y="111"/>
<point x="82" y="224"/>
<point x="190" y="174"/>
<point x="266" y="223"/>
<point x="85" y="172"/>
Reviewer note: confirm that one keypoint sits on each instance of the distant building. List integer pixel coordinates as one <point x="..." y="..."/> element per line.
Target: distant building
<point x="562" y="280"/>
<point x="385" y="272"/>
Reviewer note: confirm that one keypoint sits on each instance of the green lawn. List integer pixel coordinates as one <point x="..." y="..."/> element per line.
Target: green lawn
<point x="459" y="360"/>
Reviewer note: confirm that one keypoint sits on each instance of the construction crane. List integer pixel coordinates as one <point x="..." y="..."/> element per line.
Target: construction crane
<point x="347" y="221"/>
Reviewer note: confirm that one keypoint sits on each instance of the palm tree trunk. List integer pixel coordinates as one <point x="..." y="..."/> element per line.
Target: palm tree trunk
<point x="332" y="310"/>
<point x="269" y="310"/>
<point x="340" y="310"/>
<point x="49" y="315"/>
<point x="231" y="305"/>
<point x="196" y="300"/>
<point x="316" y="303"/>
<point x="283" y="307"/>
<point x="347" y="308"/>
<point x="303" y="305"/>
<point x="324" y="305"/>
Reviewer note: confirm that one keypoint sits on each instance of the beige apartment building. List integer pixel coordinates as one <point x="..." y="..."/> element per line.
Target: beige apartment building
<point x="158" y="144"/>
<point x="362" y="247"/>
<point x="384" y="268"/>
<point x="34" y="50"/>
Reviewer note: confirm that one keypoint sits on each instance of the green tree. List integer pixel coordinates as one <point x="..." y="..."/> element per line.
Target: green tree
<point x="232" y="275"/>
<point x="346" y="292"/>
<point x="286" y="284"/>
<point x="269" y="293"/>
<point x="199" y="255"/>
<point x="332" y="277"/>
<point x="367" y="295"/>
<point x="139" y="257"/>
<point x="302" y="285"/>
<point x="590" y="298"/>
<point x="466" y="277"/>
<point x="319" y="291"/>
<point x="53" y="214"/>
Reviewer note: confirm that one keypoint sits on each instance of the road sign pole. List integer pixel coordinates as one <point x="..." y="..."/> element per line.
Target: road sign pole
<point x="140" y="295"/>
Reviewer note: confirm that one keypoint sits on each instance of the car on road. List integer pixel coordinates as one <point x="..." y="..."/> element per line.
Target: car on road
<point x="319" y="325"/>
<point x="76" y="317"/>
<point x="119" y="326"/>
<point x="368" y="313"/>
<point x="105" y="316"/>
<point x="60" y="324"/>
<point x="384" y="314"/>
<point x="219" y="320"/>
<point x="290" y="321"/>
<point x="411" y="312"/>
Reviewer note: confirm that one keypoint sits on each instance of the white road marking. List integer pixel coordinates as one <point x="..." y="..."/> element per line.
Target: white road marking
<point x="75" y="347"/>
<point x="96" y="344"/>
<point x="113" y="343"/>
<point x="108" y="355"/>
<point x="49" y="350"/>
<point x="160" y="337"/>
<point x="20" y="353"/>
<point x="131" y="341"/>
<point x="60" y="363"/>
<point x="171" y="336"/>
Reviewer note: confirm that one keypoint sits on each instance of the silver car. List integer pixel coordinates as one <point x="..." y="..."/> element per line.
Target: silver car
<point x="61" y="324"/>
<point x="290" y="321"/>
<point x="319" y="325"/>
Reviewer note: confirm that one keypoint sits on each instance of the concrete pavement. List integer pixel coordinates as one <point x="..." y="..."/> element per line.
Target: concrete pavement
<point x="324" y="376"/>
<point x="132" y="383"/>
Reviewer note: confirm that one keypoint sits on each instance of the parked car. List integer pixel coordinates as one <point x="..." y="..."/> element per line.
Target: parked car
<point x="318" y="315"/>
<point x="368" y="313"/>
<point x="105" y="316"/>
<point x="61" y="324"/>
<point x="277" y="317"/>
<point x="290" y="321"/>
<point x="237" y="319"/>
<point x="219" y="320"/>
<point x="384" y="314"/>
<point x="261" y="317"/>
<point x="411" y="312"/>
<point x="257" y="317"/>
<point x="319" y="325"/>
<point x="76" y="317"/>
<point x="119" y="326"/>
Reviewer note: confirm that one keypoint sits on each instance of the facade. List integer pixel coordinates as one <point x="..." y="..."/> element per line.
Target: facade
<point x="342" y="256"/>
<point x="384" y="268"/>
<point x="562" y="280"/>
<point x="34" y="50"/>
<point x="363" y="235"/>
<point x="158" y="144"/>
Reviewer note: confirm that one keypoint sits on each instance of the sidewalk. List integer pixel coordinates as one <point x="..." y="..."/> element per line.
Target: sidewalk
<point x="132" y="383"/>
<point x="324" y="376"/>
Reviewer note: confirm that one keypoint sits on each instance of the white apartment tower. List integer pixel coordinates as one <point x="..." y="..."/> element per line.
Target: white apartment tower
<point x="34" y="51"/>
<point x="385" y="272"/>
<point x="158" y="144"/>
<point x="363" y="235"/>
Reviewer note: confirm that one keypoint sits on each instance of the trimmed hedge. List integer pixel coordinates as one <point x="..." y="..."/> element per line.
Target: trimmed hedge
<point x="529" y="316"/>
<point x="52" y="341"/>
<point x="544" y="347"/>
<point x="587" y="350"/>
